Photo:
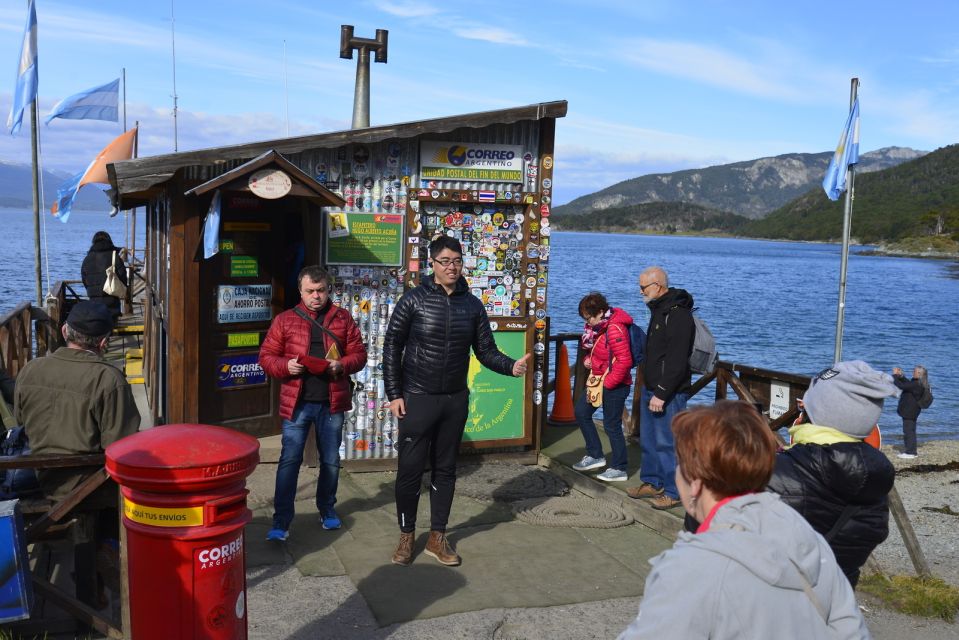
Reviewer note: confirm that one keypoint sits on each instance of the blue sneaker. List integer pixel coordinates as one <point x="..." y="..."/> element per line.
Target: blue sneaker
<point x="330" y="520"/>
<point x="277" y="535"/>
<point x="588" y="463"/>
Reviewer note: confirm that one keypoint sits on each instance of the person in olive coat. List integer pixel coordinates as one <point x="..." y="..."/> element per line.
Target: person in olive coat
<point x="93" y="272"/>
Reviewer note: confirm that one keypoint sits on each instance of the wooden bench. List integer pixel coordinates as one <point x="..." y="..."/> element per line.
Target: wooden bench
<point x="45" y="519"/>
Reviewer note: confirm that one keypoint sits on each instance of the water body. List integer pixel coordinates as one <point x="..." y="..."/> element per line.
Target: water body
<point x="773" y="305"/>
<point x="769" y="304"/>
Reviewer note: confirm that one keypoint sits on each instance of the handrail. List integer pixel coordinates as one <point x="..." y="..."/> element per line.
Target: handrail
<point x="26" y="332"/>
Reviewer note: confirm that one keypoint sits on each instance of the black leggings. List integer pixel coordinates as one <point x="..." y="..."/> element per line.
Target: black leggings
<point x="431" y="430"/>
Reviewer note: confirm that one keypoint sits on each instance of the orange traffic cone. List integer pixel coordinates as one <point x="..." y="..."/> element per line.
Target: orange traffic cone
<point x="562" y="412"/>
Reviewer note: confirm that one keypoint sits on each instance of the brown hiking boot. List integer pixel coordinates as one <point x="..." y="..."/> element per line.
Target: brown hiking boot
<point x="644" y="490"/>
<point x="404" y="550"/>
<point x="664" y="502"/>
<point x="439" y="547"/>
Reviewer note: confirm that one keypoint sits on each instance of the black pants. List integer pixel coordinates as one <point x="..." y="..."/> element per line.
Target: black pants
<point x="431" y="431"/>
<point x="909" y="436"/>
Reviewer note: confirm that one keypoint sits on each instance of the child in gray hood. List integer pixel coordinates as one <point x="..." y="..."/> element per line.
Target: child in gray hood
<point x="754" y="568"/>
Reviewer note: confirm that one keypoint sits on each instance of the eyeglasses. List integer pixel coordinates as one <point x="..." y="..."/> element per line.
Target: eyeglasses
<point x="445" y="262"/>
<point x="642" y="288"/>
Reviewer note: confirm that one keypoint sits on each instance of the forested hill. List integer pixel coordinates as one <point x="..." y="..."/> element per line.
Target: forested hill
<point x="753" y="188"/>
<point x="661" y="217"/>
<point x="889" y="205"/>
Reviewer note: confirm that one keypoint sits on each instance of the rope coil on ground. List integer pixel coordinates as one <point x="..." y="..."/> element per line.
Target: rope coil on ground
<point x="586" y="513"/>
<point x="508" y="482"/>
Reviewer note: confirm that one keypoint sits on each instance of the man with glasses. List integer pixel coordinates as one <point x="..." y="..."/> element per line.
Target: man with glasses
<point x="426" y="355"/>
<point x="312" y="349"/>
<point x="669" y="341"/>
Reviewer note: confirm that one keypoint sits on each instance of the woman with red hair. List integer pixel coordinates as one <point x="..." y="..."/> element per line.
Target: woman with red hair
<point x="754" y="568"/>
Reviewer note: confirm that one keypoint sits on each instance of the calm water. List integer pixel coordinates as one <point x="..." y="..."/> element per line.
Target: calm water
<point x="769" y="304"/>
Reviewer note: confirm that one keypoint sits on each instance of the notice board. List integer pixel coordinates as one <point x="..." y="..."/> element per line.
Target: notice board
<point x="364" y="238"/>
<point x="497" y="403"/>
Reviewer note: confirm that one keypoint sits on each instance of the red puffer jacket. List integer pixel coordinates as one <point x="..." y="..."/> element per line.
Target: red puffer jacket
<point x="289" y="336"/>
<point x="615" y="339"/>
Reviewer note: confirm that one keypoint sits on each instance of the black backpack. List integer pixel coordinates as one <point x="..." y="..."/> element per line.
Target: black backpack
<point x="925" y="400"/>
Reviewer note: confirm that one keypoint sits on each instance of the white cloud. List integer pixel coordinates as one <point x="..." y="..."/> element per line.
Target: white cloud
<point x="410" y="9"/>
<point x="494" y="35"/>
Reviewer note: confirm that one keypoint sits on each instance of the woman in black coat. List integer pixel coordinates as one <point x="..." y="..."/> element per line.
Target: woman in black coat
<point x="94" y="270"/>
<point x="909" y="408"/>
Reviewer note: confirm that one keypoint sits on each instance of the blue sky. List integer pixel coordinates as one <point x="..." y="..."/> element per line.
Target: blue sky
<point x="652" y="85"/>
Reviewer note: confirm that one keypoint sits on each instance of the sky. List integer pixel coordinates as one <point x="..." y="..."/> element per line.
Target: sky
<point x="653" y="85"/>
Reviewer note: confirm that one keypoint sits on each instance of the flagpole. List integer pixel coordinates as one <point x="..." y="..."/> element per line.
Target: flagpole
<point x="846" y="231"/>
<point x="34" y="146"/>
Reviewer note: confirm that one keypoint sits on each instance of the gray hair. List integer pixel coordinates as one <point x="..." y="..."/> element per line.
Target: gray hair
<point x="923" y="375"/>
<point x="83" y="340"/>
<point x="656" y="274"/>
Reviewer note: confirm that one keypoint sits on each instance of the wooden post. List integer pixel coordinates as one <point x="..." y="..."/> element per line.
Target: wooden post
<point x="908" y="534"/>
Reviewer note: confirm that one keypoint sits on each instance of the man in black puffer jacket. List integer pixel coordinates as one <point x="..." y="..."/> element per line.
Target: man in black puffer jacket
<point x="829" y="475"/>
<point x="426" y="355"/>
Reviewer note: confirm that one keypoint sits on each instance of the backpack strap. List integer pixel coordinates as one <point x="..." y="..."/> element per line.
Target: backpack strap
<point x="847" y="512"/>
<point x="305" y="316"/>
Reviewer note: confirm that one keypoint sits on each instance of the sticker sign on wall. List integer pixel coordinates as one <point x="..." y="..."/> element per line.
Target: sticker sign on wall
<point x="471" y="161"/>
<point x="243" y="303"/>
<point x="239" y="371"/>
<point x="244" y="267"/>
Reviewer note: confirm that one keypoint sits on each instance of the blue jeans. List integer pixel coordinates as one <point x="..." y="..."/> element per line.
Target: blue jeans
<point x="613" y="402"/>
<point x="329" y="434"/>
<point x="658" y="465"/>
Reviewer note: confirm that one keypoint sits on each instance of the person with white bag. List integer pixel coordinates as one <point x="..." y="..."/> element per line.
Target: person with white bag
<point x="103" y="287"/>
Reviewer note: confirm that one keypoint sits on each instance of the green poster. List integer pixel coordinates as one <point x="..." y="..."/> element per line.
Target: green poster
<point x="364" y="238"/>
<point x="244" y="267"/>
<point x="497" y="402"/>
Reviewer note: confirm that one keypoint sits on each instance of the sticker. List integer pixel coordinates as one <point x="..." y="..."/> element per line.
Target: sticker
<point x="539" y="347"/>
<point x="537" y="397"/>
<point x="163" y="516"/>
<point x="493" y="325"/>
<point x="239" y="371"/>
<point x="547" y="183"/>
<point x="244" y="267"/>
<point x="547" y="162"/>
<point x="541" y="315"/>
<point x="531" y="282"/>
<point x="540" y="324"/>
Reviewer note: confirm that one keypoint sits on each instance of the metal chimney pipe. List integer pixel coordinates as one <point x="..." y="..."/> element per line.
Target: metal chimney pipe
<point x="361" y="94"/>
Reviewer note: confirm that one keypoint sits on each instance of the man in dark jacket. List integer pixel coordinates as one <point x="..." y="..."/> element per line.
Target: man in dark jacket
<point x="909" y="408"/>
<point x="669" y="341"/>
<point x="93" y="272"/>
<point x="312" y="349"/>
<point x="74" y="401"/>
<point x="838" y="482"/>
<point x="426" y="355"/>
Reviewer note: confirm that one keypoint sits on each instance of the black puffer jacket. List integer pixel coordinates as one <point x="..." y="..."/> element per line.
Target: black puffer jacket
<point x="93" y="272"/>
<point x="819" y="481"/>
<point x="909" y="400"/>
<point x="427" y="345"/>
<point x="669" y="343"/>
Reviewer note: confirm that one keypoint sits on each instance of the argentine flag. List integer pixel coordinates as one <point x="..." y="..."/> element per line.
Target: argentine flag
<point x="98" y="103"/>
<point x="26" y="90"/>
<point x="847" y="153"/>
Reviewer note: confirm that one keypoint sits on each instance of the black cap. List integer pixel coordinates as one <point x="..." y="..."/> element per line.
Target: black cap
<point x="90" y="318"/>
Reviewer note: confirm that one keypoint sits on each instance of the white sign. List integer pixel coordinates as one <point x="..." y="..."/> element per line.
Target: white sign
<point x="778" y="399"/>
<point x="243" y="303"/>
<point x="270" y="184"/>
<point x="464" y="161"/>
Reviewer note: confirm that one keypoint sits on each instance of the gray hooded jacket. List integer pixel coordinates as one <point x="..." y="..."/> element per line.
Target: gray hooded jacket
<point x="760" y="571"/>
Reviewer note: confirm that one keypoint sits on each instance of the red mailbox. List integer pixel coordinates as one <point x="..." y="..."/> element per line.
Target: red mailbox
<point x="184" y="509"/>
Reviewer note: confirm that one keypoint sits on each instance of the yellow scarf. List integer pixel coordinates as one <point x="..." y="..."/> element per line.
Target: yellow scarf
<point x="814" y="434"/>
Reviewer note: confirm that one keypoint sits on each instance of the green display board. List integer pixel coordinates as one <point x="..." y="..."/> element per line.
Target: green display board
<point x="364" y="238"/>
<point x="497" y="402"/>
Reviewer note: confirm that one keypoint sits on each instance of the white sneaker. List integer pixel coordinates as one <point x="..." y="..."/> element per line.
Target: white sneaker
<point x="907" y="456"/>
<point x="613" y="475"/>
<point x="588" y="463"/>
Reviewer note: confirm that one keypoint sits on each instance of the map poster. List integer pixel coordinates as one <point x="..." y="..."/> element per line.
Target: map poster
<point x="364" y="239"/>
<point x="497" y="402"/>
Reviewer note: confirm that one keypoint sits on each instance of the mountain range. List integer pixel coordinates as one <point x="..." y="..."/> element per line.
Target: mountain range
<point x="752" y="188"/>
<point x="16" y="189"/>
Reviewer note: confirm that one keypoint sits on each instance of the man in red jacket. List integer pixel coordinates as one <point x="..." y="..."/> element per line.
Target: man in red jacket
<point x="312" y="348"/>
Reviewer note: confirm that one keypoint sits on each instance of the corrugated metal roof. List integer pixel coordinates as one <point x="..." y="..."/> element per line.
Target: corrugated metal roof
<point x="132" y="180"/>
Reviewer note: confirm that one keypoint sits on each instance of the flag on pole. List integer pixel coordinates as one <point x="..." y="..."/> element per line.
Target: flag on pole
<point x="847" y="153"/>
<point x="26" y="90"/>
<point x="98" y="103"/>
<point x="120" y="149"/>
<point x="211" y="228"/>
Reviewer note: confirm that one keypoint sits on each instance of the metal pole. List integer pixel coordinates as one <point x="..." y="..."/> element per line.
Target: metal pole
<point x="361" y="94"/>
<point x="34" y="147"/>
<point x="846" y="230"/>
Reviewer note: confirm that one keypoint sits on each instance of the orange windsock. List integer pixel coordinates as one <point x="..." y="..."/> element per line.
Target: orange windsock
<point x="562" y="412"/>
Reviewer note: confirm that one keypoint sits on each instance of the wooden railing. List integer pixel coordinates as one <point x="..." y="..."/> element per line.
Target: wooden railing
<point x="26" y="333"/>
<point x="750" y="384"/>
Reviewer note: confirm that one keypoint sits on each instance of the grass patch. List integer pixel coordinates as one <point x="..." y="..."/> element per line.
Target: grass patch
<point x="927" y="597"/>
